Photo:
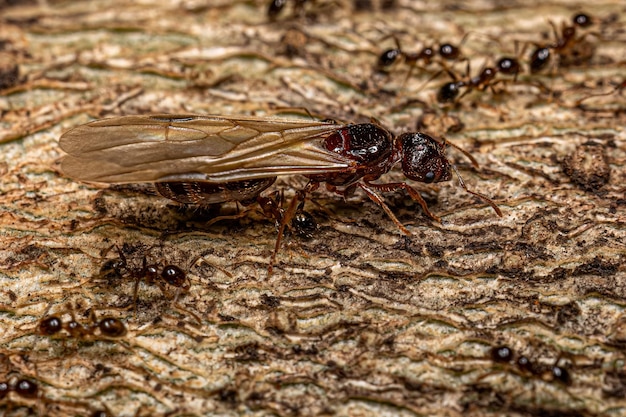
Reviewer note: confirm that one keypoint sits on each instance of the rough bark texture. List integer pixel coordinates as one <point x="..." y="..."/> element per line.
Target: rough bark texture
<point x="358" y="319"/>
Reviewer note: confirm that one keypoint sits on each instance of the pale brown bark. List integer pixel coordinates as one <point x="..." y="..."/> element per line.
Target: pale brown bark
<point x="358" y="319"/>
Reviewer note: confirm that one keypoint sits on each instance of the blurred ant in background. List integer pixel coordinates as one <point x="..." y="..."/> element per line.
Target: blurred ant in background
<point x="449" y="92"/>
<point x="570" y="48"/>
<point x="427" y="55"/>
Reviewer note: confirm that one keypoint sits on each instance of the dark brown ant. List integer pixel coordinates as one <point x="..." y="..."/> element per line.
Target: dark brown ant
<point x="162" y="276"/>
<point x="23" y="387"/>
<point x="168" y="274"/>
<point x="107" y="328"/>
<point x="552" y="373"/>
<point x="449" y="92"/>
<point x="570" y="48"/>
<point x="426" y="55"/>
<point x="303" y="224"/>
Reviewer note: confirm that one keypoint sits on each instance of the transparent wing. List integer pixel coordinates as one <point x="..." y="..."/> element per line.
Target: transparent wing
<point x="155" y="148"/>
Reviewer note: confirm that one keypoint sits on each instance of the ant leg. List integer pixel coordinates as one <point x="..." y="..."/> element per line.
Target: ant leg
<point x="284" y="221"/>
<point x="415" y="196"/>
<point x="138" y="279"/>
<point x="286" y="216"/>
<point x="376" y="198"/>
<point x="483" y="197"/>
<point x="227" y="217"/>
<point x="558" y="39"/>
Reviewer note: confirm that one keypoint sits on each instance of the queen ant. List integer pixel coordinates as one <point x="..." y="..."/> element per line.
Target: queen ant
<point x="571" y="49"/>
<point x="449" y="92"/>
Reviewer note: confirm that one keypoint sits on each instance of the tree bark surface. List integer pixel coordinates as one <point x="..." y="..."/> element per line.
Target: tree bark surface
<point x="357" y="319"/>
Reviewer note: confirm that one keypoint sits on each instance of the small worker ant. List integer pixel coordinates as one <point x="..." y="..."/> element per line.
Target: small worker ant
<point x="153" y="273"/>
<point x="550" y="373"/>
<point x="169" y="275"/>
<point x="106" y="328"/>
<point x="571" y="49"/>
<point x="446" y="51"/>
<point x="23" y="387"/>
<point x="449" y="92"/>
<point x="427" y="55"/>
<point x="134" y="264"/>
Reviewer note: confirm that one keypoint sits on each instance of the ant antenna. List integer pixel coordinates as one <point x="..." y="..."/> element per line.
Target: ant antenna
<point x="479" y="195"/>
<point x="462" y="182"/>
<point x="463" y="151"/>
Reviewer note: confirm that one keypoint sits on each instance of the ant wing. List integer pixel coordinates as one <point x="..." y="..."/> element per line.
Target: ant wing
<point x="162" y="147"/>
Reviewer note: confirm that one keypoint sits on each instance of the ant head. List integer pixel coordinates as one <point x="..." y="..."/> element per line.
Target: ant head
<point x="582" y="20"/>
<point x="423" y="158"/>
<point x="449" y="51"/>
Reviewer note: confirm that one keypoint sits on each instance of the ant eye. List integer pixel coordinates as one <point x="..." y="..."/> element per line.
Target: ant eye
<point x="429" y="177"/>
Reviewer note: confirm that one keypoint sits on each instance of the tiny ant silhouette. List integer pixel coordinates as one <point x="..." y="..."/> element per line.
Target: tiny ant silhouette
<point x="571" y="49"/>
<point x="449" y="92"/>
<point x="551" y="373"/>
<point x="169" y="274"/>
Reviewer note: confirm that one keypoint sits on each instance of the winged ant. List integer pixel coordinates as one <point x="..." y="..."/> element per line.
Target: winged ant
<point x="214" y="159"/>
